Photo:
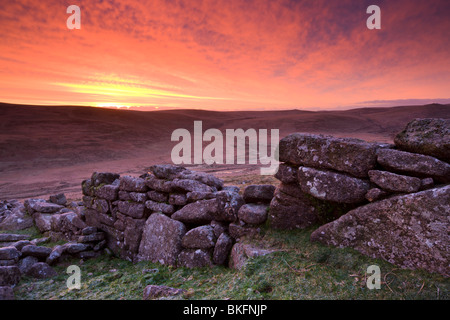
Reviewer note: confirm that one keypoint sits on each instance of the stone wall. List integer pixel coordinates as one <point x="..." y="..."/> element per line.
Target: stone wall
<point x="173" y="215"/>
<point x="386" y="201"/>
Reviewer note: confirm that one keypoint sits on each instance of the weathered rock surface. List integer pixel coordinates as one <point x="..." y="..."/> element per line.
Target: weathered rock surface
<point x="195" y="258"/>
<point x="161" y="239"/>
<point x="228" y="204"/>
<point x="36" y="251"/>
<point x="332" y="186"/>
<point x="6" y="293"/>
<point x="199" y="212"/>
<point x="26" y="263"/>
<point x="222" y="248"/>
<point x="132" y="184"/>
<point x="108" y="191"/>
<point x="165" y="208"/>
<point x="59" y="198"/>
<point x="9" y="276"/>
<point x="132" y="209"/>
<point x="259" y="193"/>
<point x="352" y="156"/>
<point x="188" y="185"/>
<point x="9" y="253"/>
<point x="286" y="173"/>
<point x="99" y="178"/>
<point x="167" y="171"/>
<point x="13" y="216"/>
<point x="253" y="213"/>
<point x="414" y="164"/>
<point x="238" y="230"/>
<point x="426" y="136"/>
<point x="410" y="231"/>
<point x="41" y="270"/>
<point x="375" y="194"/>
<point x="393" y="182"/>
<point x="289" y="212"/>
<point x="11" y="237"/>
<point x="199" y="238"/>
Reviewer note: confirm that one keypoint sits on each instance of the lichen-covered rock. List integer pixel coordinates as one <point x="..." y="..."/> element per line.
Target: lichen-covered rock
<point x="393" y="182"/>
<point x="222" y="248"/>
<point x="52" y="258"/>
<point x="161" y="239"/>
<point x="199" y="212"/>
<point x="253" y="213"/>
<point x="87" y="187"/>
<point x="154" y="206"/>
<point x="177" y="199"/>
<point x="108" y="191"/>
<point x="228" y="205"/>
<point x="426" y="136"/>
<point x="59" y="198"/>
<point x="11" y="237"/>
<point x="158" y="196"/>
<point x="133" y="233"/>
<point x="259" y="193"/>
<point x="352" y="156"/>
<point x="414" y="164"/>
<point x="167" y="171"/>
<point x="9" y="276"/>
<point x="42" y="221"/>
<point x="197" y="195"/>
<point x="41" y="270"/>
<point x="202" y="177"/>
<point x="132" y="209"/>
<point x="45" y="207"/>
<point x="99" y="178"/>
<point x="291" y="212"/>
<point x="238" y="230"/>
<point x="199" y="238"/>
<point x="36" y="251"/>
<point x="189" y="185"/>
<point x="94" y="237"/>
<point x="13" y="216"/>
<point x="375" y="194"/>
<point x="132" y="184"/>
<point x="426" y="183"/>
<point x="6" y="293"/>
<point x="287" y="173"/>
<point x="410" y="231"/>
<point x="9" y="253"/>
<point x="195" y="258"/>
<point x="159" y="185"/>
<point x="332" y="186"/>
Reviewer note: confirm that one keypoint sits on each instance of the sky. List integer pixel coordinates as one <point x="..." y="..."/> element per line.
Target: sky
<point x="225" y="54"/>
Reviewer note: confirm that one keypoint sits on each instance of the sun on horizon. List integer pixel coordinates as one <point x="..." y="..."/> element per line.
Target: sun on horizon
<point x="225" y="55"/>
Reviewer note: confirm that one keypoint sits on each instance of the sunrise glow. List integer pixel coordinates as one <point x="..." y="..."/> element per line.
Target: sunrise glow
<point x="225" y="55"/>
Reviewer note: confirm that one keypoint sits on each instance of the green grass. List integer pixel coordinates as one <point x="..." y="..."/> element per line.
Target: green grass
<point x="299" y="270"/>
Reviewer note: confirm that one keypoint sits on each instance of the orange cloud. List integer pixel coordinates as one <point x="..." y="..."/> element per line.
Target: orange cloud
<point x="235" y="54"/>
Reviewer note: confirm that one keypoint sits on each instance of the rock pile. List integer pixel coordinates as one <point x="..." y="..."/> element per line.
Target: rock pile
<point x="20" y="256"/>
<point x="173" y="215"/>
<point x="13" y="216"/>
<point x="382" y="200"/>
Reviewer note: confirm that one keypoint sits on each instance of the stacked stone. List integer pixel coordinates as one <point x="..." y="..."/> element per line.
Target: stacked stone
<point x="169" y="215"/>
<point x="324" y="177"/>
<point x="13" y="216"/>
<point x="23" y="257"/>
<point x="56" y="217"/>
<point x="321" y="178"/>
<point x="395" y="197"/>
